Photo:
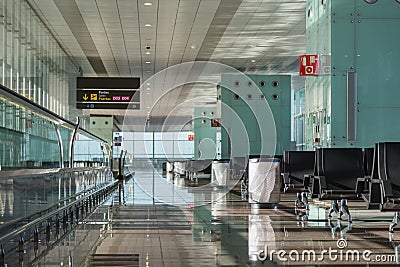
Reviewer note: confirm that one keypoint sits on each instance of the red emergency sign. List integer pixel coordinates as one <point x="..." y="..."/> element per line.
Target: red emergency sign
<point x="308" y="65"/>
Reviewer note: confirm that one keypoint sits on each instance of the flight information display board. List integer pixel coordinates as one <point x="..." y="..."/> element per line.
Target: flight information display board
<point x="107" y="93"/>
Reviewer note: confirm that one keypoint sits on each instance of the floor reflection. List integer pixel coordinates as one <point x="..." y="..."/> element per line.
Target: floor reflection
<point x="22" y="197"/>
<point x="168" y="221"/>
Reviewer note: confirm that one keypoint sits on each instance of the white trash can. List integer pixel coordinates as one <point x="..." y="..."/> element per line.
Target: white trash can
<point x="170" y="167"/>
<point x="220" y="173"/>
<point x="264" y="182"/>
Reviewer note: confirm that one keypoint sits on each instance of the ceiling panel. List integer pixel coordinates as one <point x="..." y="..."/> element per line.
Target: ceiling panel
<point x="131" y="39"/>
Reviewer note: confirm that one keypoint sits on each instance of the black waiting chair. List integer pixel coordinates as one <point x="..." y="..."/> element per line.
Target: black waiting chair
<point x="368" y="156"/>
<point x="297" y="168"/>
<point x="369" y="187"/>
<point x="314" y="183"/>
<point x="337" y="178"/>
<point x="297" y="164"/>
<point x="389" y="175"/>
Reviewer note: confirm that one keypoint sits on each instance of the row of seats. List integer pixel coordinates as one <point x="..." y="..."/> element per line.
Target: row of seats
<point x="341" y="174"/>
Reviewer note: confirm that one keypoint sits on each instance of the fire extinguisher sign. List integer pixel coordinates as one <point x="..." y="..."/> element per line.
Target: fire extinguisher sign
<point x="308" y="65"/>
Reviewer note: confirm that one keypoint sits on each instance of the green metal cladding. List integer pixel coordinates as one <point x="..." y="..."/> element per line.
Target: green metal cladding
<point x="355" y="101"/>
<point x="204" y="134"/>
<point x="255" y="114"/>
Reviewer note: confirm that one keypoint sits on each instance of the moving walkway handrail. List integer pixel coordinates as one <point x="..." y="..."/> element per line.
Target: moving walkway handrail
<point x="72" y="142"/>
<point x="27" y="226"/>
<point x="41" y="172"/>
<point x="60" y="145"/>
<point x="83" y="193"/>
<point x="18" y="99"/>
<point x="61" y="201"/>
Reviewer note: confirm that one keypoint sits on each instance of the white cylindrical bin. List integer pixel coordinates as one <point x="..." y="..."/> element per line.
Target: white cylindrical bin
<point x="170" y="166"/>
<point x="264" y="182"/>
<point x="180" y="167"/>
<point x="170" y="176"/>
<point x="220" y="173"/>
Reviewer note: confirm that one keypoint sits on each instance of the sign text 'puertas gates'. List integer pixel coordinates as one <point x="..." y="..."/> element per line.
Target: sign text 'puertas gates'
<point x="107" y="93"/>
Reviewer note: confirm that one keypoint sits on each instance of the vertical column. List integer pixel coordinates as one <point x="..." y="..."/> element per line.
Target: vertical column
<point x="11" y="41"/>
<point x="23" y="57"/>
<point x="5" y="35"/>
<point x="29" y="64"/>
<point x="45" y="67"/>
<point x="36" y="89"/>
<point x="17" y="46"/>
<point x="3" y="22"/>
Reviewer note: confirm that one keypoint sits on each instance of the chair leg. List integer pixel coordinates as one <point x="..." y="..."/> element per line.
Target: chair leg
<point x="304" y="200"/>
<point x="345" y="209"/>
<point x="298" y="200"/>
<point x="334" y="227"/>
<point x="394" y="222"/>
<point x="334" y="208"/>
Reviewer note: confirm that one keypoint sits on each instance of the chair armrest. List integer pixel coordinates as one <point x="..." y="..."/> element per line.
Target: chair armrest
<point x="285" y="176"/>
<point x="386" y="187"/>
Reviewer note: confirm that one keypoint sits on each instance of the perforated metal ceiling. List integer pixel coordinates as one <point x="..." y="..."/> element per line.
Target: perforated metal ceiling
<point x="129" y="38"/>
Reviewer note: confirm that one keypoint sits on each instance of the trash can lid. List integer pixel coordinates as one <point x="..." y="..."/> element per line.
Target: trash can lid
<point x="255" y="160"/>
<point x="221" y="161"/>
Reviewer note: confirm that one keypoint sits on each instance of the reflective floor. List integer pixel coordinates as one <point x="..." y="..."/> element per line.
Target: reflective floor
<point x="172" y="222"/>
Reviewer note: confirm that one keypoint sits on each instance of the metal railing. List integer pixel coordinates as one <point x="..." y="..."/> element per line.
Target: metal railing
<point x="20" y="100"/>
<point x="28" y="243"/>
<point x="70" y="184"/>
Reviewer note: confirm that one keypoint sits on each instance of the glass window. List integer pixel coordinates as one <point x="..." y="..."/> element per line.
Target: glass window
<point x="31" y="61"/>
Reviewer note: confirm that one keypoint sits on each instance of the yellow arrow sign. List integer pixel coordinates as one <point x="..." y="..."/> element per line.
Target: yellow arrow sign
<point x="85" y="97"/>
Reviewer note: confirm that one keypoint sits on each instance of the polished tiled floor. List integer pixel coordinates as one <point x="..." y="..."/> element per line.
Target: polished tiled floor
<point x="166" y="222"/>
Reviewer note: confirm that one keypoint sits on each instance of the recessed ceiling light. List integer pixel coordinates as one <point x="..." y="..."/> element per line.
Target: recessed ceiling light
<point x="148" y="93"/>
<point x="148" y="88"/>
<point x="148" y="62"/>
<point x="148" y="4"/>
<point x="147" y="25"/>
<point x="147" y="53"/>
<point x="253" y="60"/>
<point x="192" y="46"/>
<point x="148" y="107"/>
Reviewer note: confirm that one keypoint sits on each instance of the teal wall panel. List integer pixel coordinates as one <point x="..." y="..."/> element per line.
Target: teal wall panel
<point x="204" y="134"/>
<point x="255" y="113"/>
<point x="341" y="9"/>
<point x="363" y="39"/>
<point x="383" y="9"/>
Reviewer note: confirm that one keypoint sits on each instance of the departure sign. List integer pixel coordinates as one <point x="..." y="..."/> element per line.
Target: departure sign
<point x="107" y="99"/>
<point x="107" y="93"/>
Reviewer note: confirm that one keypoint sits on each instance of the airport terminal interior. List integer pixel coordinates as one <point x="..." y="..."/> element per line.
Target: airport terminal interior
<point x="199" y="133"/>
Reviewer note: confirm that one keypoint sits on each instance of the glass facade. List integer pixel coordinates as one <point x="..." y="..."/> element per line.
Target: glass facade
<point x="33" y="65"/>
<point x="32" y="137"/>
<point x="88" y="150"/>
<point x="28" y="140"/>
<point x="155" y="146"/>
<point x="31" y="61"/>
